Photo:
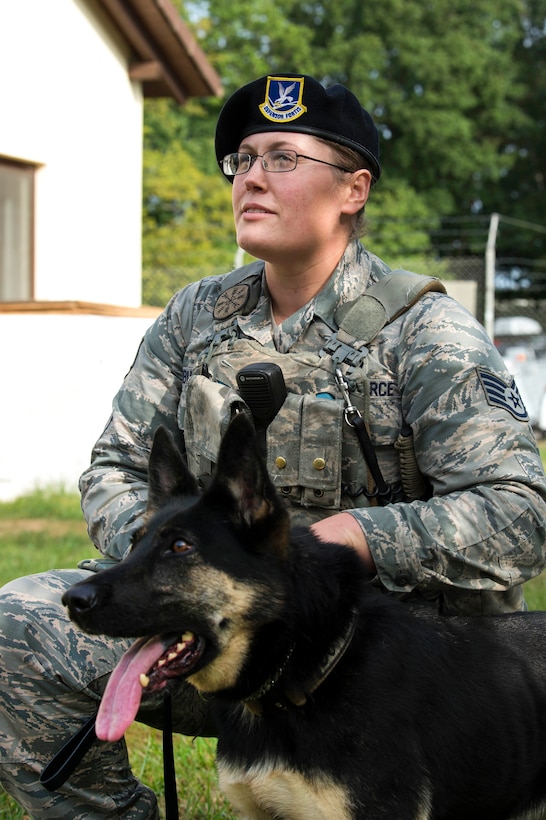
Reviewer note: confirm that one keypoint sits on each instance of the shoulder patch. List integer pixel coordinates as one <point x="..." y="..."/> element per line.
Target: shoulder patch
<point x="231" y="301"/>
<point x="500" y="394"/>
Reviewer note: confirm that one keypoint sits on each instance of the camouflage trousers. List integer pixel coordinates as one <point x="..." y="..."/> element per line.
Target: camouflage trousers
<point x="52" y="676"/>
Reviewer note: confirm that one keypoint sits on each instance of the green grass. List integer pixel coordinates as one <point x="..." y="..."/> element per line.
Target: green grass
<point x="542" y="450"/>
<point x="51" y="502"/>
<point x="46" y="530"/>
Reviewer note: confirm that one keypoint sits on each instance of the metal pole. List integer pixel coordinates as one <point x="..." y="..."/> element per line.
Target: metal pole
<point x="490" y="262"/>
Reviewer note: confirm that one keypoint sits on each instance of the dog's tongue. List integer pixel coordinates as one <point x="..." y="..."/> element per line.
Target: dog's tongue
<point x="121" y="699"/>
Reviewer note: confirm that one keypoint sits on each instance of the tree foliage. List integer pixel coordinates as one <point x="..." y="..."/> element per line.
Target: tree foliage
<point x="456" y="87"/>
<point x="187" y="224"/>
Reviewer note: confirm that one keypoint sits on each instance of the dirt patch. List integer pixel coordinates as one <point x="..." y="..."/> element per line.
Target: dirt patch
<point x="53" y="526"/>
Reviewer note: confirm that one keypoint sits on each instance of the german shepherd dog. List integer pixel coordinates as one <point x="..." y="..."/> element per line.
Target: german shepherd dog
<point x="331" y="699"/>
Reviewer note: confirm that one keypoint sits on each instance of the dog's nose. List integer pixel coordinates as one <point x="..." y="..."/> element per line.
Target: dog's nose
<point x="80" y="598"/>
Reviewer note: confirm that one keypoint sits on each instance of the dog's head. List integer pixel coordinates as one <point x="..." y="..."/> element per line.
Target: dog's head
<point x="205" y="573"/>
<point x="241" y="491"/>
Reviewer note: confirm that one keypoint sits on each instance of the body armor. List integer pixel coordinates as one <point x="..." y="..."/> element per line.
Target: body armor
<point x="313" y="455"/>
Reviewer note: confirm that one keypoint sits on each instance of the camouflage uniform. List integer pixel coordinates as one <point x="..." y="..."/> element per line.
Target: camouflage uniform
<point x="467" y="549"/>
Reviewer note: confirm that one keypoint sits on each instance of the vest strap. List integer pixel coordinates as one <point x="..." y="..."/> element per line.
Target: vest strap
<point x="360" y="320"/>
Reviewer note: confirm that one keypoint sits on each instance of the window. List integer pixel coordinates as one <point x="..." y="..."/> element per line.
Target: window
<point x="16" y="230"/>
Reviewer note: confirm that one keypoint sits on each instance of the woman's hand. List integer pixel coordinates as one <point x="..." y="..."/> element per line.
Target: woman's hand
<point x="342" y="528"/>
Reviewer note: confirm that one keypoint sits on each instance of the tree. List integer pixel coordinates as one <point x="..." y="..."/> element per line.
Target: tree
<point x="522" y="189"/>
<point x="187" y="223"/>
<point x="440" y="78"/>
<point x="453" y="87"/>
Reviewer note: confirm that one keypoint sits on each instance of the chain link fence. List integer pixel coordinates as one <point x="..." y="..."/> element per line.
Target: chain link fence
<point x="503" y="260"/>
<point x="500" y="276"/>
<point x="455" y="249"/>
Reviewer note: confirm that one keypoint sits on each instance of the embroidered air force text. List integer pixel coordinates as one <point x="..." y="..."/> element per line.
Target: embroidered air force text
<point x="500" y="394"/>
<point x="384" y="389"/>
<point x="283" y="99"/>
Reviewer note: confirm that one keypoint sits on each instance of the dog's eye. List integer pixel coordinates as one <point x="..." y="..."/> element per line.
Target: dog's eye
<point x="180" y="545"/>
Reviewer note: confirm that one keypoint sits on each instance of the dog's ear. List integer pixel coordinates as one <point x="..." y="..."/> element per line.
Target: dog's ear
<point x="242" y="472"/>
<point x="168" y="474"/>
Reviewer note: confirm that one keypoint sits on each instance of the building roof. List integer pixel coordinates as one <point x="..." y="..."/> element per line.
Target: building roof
<point x="167" y="59"/>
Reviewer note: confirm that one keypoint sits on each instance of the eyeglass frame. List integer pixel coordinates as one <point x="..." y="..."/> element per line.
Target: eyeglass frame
<point x="291" y="152"/>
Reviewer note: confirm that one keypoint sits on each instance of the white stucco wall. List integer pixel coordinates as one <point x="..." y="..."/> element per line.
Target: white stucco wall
<point x="59" y="376"/>
<point x="67" y="104"/>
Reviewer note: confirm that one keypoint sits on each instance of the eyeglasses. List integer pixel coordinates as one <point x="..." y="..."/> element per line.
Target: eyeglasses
<point x="278" y="161"/>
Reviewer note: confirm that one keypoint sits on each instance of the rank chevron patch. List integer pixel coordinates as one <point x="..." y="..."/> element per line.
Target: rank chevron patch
<point x="500" y="394"/>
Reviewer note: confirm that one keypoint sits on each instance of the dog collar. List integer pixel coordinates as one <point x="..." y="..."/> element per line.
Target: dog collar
<point x="269" y="684"/>
<point x="284" y="697"/>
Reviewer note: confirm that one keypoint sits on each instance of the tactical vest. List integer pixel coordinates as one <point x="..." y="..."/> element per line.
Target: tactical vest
<point x="313" y="456"/>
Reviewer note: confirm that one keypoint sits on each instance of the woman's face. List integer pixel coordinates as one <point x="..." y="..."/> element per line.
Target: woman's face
<point x="294" y="216"/>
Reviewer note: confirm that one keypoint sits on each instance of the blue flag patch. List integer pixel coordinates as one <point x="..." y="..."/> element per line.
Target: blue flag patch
<point x="500" y="394"/>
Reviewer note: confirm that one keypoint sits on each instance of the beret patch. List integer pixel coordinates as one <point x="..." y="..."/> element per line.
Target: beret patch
<point x="283" y="99"/>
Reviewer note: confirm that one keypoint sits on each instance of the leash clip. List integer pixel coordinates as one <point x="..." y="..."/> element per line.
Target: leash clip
<point x="350" y="412"/>
<point x="382" y="491"/>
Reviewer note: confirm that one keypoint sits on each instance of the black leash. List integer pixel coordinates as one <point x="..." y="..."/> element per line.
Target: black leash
<point x="169" y="773"/>
<point x="63" y="763"/>
<point x="382" y="491"/>
<point x="61" y="766"/>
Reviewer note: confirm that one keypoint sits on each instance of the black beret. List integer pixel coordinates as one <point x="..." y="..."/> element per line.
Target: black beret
<point x="285" y="102"/>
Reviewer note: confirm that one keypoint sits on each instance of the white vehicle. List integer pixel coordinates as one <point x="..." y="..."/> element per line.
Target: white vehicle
<point x="517" y="338"/>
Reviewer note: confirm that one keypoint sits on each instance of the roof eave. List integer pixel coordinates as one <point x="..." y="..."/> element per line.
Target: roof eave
<point x="167" y="59"/>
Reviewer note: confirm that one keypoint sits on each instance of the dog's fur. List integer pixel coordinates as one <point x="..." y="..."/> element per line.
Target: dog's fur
<point x="422" y="717"/>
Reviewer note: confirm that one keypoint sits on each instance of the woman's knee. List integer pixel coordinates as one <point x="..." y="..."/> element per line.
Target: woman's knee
<point x="38" y="640"/>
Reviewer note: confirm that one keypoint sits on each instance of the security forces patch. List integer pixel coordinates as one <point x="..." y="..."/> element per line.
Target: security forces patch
<point x="231" y="301"/>
<point x="500" y="394"/>
<point x="283" y="99"/>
